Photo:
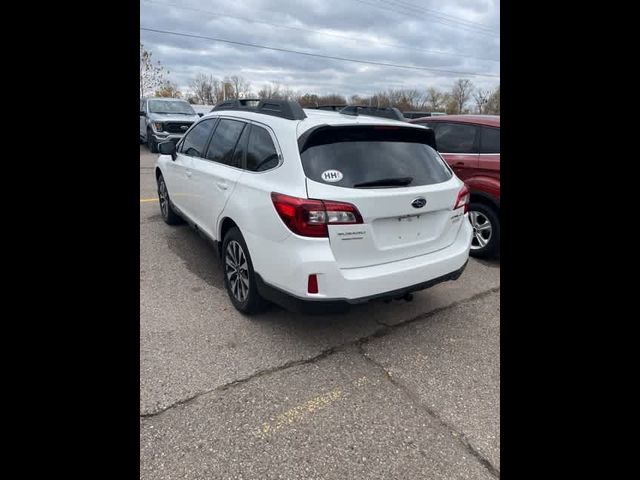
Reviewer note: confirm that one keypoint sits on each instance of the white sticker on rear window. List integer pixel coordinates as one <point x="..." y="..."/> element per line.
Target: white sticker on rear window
<point x="332" y="176"/>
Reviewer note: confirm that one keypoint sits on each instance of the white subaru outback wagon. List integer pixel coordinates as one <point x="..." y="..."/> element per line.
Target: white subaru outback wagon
<point x="316" y="210"/>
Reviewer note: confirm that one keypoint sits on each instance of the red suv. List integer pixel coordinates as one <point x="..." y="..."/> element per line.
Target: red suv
<point x="471" y="146"/>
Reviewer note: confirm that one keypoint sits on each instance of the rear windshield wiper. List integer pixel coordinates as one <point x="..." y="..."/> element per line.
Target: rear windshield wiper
<point x="384" y="182"/>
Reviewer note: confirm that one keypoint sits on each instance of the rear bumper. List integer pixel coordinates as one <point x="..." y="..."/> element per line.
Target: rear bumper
<point x="319" y="306"/>
<point x="296" y="259"/>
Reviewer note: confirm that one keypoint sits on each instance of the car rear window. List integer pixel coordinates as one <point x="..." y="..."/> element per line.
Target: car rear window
<point x="352" y="156"/>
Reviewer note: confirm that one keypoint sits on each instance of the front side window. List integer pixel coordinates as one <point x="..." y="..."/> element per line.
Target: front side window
<point x="456" y="138"/>
<point x="224" y="141"/>
<point x="261" y="154"/>
<point x="195" y="141"/>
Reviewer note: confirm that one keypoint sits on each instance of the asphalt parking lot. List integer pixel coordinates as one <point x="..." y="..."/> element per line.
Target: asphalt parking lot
<point x="405" y="390"/>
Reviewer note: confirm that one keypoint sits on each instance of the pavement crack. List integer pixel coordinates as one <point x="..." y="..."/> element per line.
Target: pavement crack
<point x="415" y="399"/>
<point x="385" y="329"/>
<point x="258" y="374"/>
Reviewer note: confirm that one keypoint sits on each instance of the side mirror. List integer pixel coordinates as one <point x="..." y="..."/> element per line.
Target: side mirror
<point x="143" y="113"/>
<point x="200" y="114"/>
<point x="167" y="148"/>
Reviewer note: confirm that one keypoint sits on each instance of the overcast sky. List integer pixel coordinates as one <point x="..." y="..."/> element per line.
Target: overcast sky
<point x="454" y="35"/>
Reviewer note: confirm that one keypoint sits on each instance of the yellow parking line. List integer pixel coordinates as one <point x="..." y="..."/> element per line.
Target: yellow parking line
<point x="304" y="410"/>
<point x="145" y="200"/>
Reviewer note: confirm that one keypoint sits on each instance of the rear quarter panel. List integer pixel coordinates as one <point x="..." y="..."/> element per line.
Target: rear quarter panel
<point x="252" y="209"/>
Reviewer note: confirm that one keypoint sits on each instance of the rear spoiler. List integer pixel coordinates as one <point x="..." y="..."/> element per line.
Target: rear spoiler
<point x="324" y="134"/>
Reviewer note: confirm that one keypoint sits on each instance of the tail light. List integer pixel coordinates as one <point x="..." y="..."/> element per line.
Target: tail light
<point x="310" y="218"/>
<point x="463" y="199"/>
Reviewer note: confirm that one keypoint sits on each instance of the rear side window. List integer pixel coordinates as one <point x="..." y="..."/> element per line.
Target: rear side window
<point x="372" y="157"/>
<point x="196" y="140"/>
<point x="489" y="140"/>
<point x="456" y="138"/>
<point x="261" y="154"/>
<point x="224" y="141"/>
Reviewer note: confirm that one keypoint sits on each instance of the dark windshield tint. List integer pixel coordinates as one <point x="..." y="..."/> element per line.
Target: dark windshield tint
<point x="370" y="154"/>
<point x="195" y="141"/>
<point x="170" y="106"/>
<point x="456" y="138"/>
<point x="262" y="154"/>
<point x="224" y="141"/>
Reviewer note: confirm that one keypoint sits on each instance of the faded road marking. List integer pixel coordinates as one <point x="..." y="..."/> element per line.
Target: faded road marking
<point x="300" y="412"/>
<point x="145" y="200"/>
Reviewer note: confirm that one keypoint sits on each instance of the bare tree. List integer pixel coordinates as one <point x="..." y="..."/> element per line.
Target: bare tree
<point x="460" y="93"/>
<point x="307" y="100"/>
<point x="169" y="89"/>
<point x="268" y="91"/>
<point x="493" y="102"/>
<point x="277" y="92"/>
<point x="332" y="99"/>
<point x="241" y="87"/>
<point x="217" y="91"/>
<point x="191" y="98"/>
<point x="152" y="75"/>
<point x="202" y="87"/>
<point x="228" y="91"/>
<point x="435" y="99"/>
<point x="482" y="98"/>
<point x="450" y="105"/>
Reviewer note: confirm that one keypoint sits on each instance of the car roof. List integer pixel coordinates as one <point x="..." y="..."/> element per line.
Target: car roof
<point x="314" y="118"/>
<point x="489" y="120"/>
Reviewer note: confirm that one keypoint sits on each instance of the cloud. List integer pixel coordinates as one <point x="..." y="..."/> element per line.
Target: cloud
<point x="460" y="35"/>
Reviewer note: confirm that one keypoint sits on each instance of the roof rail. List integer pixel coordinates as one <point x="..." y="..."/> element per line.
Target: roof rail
<point x="288" y="109"/>
<point x="334" y="107"/>
<point x="384" y="112"/>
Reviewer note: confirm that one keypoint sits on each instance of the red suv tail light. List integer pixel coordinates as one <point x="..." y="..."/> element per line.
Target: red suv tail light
<point x="463" y="199"/>
<point x="310" y="218"/>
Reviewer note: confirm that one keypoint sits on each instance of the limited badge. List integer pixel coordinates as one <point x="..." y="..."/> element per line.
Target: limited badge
<point x="331" y="176"/>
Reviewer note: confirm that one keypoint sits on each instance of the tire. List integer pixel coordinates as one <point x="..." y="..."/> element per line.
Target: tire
<point x="151" y="143"/>
<point x="485" y="241"/>
<point x="243" y="293"/>
<point x="169" y="215"/>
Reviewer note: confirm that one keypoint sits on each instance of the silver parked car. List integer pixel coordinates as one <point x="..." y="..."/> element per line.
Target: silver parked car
<point x="163" y="119"/>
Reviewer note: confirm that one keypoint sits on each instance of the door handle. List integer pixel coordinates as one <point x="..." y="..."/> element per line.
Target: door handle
<point x="459" y="164"/>
<point x="188" y="172"/>
<point x="222" y="185"/>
